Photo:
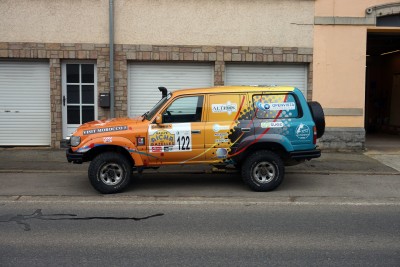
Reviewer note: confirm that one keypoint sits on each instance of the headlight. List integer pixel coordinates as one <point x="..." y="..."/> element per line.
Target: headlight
<point x="75" y="140"/>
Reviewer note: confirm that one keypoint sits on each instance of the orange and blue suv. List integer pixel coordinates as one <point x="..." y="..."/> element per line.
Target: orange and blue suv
<point x="256" y="129"/>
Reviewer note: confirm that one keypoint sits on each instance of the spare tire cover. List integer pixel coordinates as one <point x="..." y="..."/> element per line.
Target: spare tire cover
<point x="319" y="117"/>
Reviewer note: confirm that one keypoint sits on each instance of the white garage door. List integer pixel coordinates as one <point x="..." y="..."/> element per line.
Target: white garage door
<point x="24" y="103"/>
<point x="145" y="78"/>
<point x="273" y="74"/>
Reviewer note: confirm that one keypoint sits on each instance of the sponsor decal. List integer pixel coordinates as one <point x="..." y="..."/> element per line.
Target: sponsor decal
<point x="168" y="149"/>
<point x="221" y="135"/>
<point x="221" y="108"/>
<point x="303" y="131"/>
<point x="162" y="138"/>
<point x="221" y="153"/>
<point x="276" y="106"/>
<point x="157" y="149"/>
<point x="105" y="130"/>
<point x="176" y="138"/>
<point x="277" y="124"/>
<point x="222" y="140"/>
<point x="217" y="127"/>
<point x="141" y="141"/>
<point x="107" y="139"/>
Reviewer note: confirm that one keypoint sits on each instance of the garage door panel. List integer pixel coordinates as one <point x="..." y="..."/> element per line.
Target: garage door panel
<point x="25" y="103"/>
<point x="145" y="78"/>
<point x="271" y="74"/>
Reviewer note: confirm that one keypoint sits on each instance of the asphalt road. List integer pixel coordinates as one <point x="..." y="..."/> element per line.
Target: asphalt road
<point x="55" y="218"/>
<point x="206" y="232"/>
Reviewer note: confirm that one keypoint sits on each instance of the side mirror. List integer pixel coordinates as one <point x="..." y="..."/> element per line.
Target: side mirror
<point x="159" y="119"/>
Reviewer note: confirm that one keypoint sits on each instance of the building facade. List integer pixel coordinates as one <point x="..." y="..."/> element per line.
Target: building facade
<point x="355" y="80"/>
<point x="54" y="58"/>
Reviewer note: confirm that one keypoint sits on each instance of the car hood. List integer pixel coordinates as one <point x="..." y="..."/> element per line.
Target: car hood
<point x="110" y="125"/>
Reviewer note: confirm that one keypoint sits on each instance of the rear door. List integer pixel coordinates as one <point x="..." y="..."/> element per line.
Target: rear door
<point x="228" y="123"/>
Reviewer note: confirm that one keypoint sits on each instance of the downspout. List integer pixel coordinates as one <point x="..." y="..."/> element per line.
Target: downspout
<point x="111" y="35"/>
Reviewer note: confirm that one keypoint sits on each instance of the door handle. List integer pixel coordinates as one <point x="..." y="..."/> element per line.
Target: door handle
<point x="196" y="131"/>
<point x="245" y="129"/>
<point x="64" y="100"/>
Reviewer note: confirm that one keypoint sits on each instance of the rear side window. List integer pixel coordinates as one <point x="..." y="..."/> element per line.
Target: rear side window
<point x="275" y="106"/>
<point x="225" y="107"/>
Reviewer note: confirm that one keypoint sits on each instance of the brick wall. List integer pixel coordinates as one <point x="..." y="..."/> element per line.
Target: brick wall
<point x="55" y="53"/>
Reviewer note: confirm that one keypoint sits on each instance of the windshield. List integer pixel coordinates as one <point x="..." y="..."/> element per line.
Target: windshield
<point x="149" y="114"/>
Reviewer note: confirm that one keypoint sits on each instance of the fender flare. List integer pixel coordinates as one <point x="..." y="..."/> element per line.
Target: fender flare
<point x="114" y="141"/>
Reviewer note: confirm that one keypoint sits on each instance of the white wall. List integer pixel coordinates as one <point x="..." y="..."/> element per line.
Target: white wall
<point x="166" y="22"/>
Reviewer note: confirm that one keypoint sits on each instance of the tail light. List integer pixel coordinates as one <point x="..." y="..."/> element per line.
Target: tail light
<point x="315" y="135"/>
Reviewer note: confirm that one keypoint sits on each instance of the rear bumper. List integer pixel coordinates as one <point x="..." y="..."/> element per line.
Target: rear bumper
<point x="74" y="156"/>
<point x="307" y="154"/>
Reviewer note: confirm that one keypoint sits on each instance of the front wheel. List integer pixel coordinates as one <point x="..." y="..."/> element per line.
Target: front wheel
<point x="110" y="172"/>
<point x="263" y="171"/>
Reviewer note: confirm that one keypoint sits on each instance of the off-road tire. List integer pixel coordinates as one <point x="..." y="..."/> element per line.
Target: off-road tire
<point x="263" y="171"/>
<point x="110" y="172"/>
<point x="318" y="116"/>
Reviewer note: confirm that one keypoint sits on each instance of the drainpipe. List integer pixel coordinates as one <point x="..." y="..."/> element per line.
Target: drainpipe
<point x="111" y="35"/>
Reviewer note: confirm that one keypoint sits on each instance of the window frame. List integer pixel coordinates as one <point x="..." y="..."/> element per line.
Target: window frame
<point x="200" y="98"/>
<point x="80" y="85"/>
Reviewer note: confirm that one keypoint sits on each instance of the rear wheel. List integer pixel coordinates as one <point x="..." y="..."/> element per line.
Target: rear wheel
<point x="110" y="172"/>
<point x="263" y="171"/>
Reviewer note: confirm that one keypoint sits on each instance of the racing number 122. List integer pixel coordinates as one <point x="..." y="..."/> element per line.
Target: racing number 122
<point x="184" y="141"/>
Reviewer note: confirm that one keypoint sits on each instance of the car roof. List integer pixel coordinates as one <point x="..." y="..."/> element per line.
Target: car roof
<point x="234" y="89"/>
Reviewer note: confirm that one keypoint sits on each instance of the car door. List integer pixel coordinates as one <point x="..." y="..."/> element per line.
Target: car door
<point x="180" y="137"/>
<point x="228" y="123"/>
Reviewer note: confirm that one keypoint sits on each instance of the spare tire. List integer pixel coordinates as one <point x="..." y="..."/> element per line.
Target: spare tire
<point x="319" y="117"/>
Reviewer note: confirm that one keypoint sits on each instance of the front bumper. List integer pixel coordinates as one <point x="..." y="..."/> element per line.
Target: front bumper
<point x="74" y="157"/>
<point x="306" y="154"/>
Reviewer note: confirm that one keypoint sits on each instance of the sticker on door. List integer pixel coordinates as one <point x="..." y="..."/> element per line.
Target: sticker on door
<point x="175" y="138"/>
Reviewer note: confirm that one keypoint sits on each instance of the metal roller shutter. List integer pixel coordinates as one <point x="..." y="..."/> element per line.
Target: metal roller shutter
<point x="273" y="74"/>
<point x="145" y="78"/>
<point x="25" y="103"/>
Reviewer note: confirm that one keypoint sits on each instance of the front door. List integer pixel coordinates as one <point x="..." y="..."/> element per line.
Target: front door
<point x="79" y="102"/>
<point x="180" y="137"/>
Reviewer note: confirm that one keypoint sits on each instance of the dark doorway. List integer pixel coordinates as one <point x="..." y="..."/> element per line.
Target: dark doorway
<point x="382" y="97"/>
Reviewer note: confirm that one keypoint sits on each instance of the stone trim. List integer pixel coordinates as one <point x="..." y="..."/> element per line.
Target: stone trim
<point x="343" y="139"/>
<point x="345" y="21"/>
<point x="125" y="53"/>
<point x="344" y="112"/>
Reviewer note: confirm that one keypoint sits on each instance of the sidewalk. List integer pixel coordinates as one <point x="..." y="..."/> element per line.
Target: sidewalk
<point x="54" y="160"/>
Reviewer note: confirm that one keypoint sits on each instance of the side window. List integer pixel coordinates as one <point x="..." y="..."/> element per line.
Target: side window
<point x="275" y="106"/>
<point x="184" y="109"/>
<point x="225" y="107"/>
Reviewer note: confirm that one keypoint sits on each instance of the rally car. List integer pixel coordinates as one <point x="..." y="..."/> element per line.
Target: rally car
<point x="256" y="129"/>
